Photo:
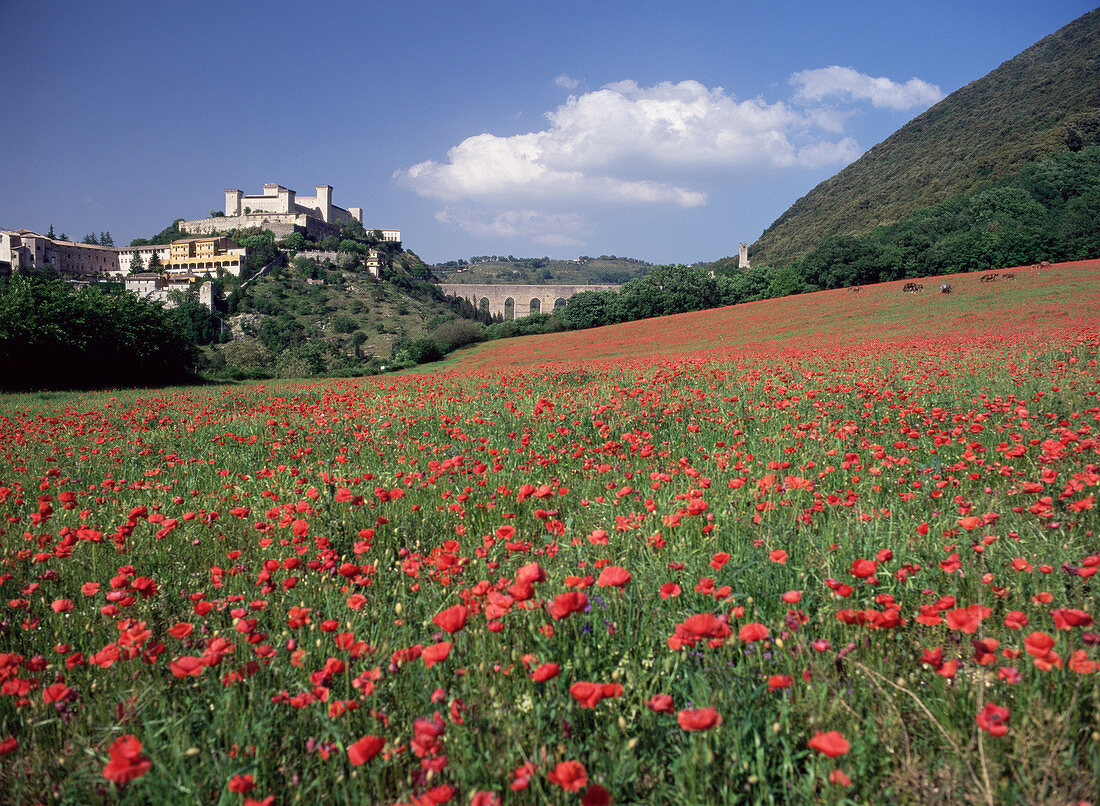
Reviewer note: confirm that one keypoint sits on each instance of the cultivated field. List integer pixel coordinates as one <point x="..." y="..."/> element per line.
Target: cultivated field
<point x="834" y="548"/>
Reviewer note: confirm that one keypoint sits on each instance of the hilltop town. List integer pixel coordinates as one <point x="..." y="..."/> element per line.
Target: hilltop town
<point x="154" y="270"/>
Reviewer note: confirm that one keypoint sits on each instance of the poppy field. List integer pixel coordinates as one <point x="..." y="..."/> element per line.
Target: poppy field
<point x="811" y="570"/>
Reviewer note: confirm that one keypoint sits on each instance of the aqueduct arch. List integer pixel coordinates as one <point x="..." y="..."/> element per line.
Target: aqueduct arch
<point x="519" y="300"/>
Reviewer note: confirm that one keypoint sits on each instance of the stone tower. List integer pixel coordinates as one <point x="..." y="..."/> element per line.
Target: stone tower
<point x="743" y="257"/>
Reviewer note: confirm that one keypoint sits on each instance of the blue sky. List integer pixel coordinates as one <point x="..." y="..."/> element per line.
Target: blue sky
<point x="658" y="130"/>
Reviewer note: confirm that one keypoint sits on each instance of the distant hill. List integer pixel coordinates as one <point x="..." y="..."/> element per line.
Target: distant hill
<point x="1044" y="101"/>
<point x="1035" y="304"/>
<point x="542" y="271"/>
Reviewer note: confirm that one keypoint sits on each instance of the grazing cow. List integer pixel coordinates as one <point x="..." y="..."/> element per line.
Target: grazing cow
<point x="912" y="288"/>
<point x="856" y="289"/>
<point x="1008" y="275"/>
<point x="945" y="288"/>
<point x="988" y="278"/>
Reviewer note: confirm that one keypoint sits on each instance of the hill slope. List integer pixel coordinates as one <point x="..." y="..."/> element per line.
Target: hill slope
<point x="1036" y="301"/>
<point x="1043" y="101"/>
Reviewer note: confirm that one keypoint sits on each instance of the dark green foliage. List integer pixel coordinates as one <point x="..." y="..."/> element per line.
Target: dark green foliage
<point x="420" y="351"/>
<point x="1042" y="102"/>
<point x="261" y="250"/>
<point x="1045" y="212"/>
<point x="342" y="323"/>
<point x="294" y="242"/>
<point x="170" y="233"/>
<point x="193" y="321"/>
<point x="457" y="333"/>
<point x="53" y="336"/>
<point x="281" y="332"/>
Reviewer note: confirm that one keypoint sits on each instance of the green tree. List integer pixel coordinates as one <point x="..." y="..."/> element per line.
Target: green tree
<point x="53" y="336"/>
<point x="294" y="242"/>
<point x="154" y="262"/>
<point x="136" y="264"/>
<point x="245" y="355"/>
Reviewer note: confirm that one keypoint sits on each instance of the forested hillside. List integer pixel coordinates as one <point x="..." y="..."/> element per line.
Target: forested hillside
<point x="1044" y="101"/>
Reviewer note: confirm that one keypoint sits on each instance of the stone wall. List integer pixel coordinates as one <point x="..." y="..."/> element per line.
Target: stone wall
<point x="524" y="298"/>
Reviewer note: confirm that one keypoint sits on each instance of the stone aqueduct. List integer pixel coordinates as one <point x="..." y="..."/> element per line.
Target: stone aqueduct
<point x="517" y="301"/>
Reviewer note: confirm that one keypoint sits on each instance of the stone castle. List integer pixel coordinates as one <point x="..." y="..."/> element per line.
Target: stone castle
<point x="283" y="211"/>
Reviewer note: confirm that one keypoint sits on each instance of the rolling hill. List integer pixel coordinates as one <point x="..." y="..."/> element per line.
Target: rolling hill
<point x="1034" y="303"/>
<point x="1045" y="100"/>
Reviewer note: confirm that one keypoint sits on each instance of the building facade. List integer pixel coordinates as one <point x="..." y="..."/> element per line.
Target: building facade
<point x="29" y="250"/>
<point x="159" y="287"/>
<point x="206" y="256"/>
<point x="26" y="249"/>
<point x="145" y="255"/>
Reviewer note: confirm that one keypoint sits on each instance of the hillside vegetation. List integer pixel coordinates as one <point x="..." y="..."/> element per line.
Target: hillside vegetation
<point x="1044" y="101"/>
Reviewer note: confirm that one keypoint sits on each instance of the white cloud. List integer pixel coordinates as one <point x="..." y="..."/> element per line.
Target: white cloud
<point x="624" y="144"/>
<point x="822" y="154"/>
<point x="547" y="229"/>
<point x="619" y="144"/>
<point x="816" y="85"/>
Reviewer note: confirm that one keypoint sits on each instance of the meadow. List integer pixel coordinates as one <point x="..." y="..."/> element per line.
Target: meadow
<point x="838" y="548"/>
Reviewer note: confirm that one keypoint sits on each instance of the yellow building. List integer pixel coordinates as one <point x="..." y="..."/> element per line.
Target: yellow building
<point x="206" y="255"/>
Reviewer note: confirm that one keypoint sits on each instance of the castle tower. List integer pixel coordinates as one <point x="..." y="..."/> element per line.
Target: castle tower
<point x="324" y="202"/>
<point x="233" y="201"/>
<point x="206" y="296"/>
<point x="743" y="257"/>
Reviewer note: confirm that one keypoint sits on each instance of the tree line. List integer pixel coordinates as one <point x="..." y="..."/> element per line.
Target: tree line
<point x="54" y="335"/>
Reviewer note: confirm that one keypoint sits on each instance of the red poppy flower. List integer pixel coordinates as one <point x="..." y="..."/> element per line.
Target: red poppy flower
<point x="1038" y="644"/>
<point x="569" y="775"/>
<point x="1067" y="618"/>
<point x="861" y="569"/>
<point x="613" y="576"/>
<point x="452" y="619"/>
<point x="699" y="719"/>
<point x="661" y="703"/>
<point x="832" y="743"/>
<point x="669" y="589"/>
<point x="365" y="749"/>
<point x="181" y="629"/>
<point x="57" y="692"/>
<point x="588" y="695"/>
<point x="992" y="718"/>
<point x="187" y="666"/>
<point x="778" y="556"/>
<point x="596" y="795"/>
<point x="241" y="784"/>
<point x="545" y="672"/>
<point x="435" y="653"/>
<point x="753" y="631"/>
<point x="566" y="603"/>
<point x="126" y="762"/>
<point x="839" y="778"/>
<point x="779" y="681"/>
